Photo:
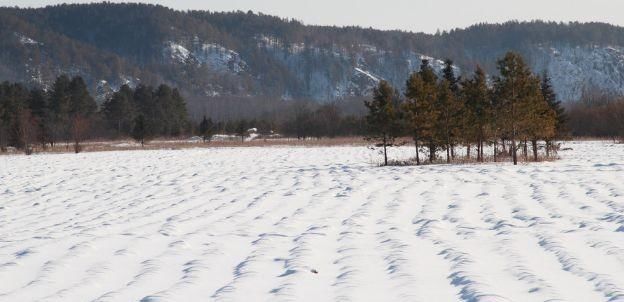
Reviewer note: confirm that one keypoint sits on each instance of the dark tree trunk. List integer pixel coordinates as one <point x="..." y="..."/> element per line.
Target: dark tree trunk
<point x="417" y="152"/>
<point x="548" y="143"/>
<point x="385" y="151"/>
<point x="534" y="142"/>
<point x="525" y="150"/>
<point x="514" y="154"/>
<point x="431" y="152"/>
<point x="504" y="146"/>
<point x="482" y="159"/>
<point x="495" y="149"/>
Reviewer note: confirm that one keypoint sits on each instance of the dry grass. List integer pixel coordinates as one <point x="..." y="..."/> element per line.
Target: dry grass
<point x="173" y="144"/>
<point x="462" y="160"/>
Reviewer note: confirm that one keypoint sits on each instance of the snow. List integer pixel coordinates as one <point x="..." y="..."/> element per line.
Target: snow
<point x="240" y="224"/>
<point x="177" y="52"/>
<point x="212" y="55"/>
<point x="575" y="69"/>
<point x="368" y="74"/>
<point x="26" y="40"/>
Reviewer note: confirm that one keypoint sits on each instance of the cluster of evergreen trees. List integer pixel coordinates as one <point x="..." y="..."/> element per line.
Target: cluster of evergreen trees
<point x="29" y="116"/>
<point x="146" y="112"/>
<point x="68" y="113"/>
<point x="440" y="113"/>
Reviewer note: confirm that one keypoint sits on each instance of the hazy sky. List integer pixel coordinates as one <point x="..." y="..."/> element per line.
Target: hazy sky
<point x="414" y="15"/>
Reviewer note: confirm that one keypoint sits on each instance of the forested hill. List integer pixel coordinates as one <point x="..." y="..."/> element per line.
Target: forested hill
<point x="217" y="56"/>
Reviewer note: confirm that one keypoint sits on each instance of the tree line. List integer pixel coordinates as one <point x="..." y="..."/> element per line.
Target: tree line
<point x="68" y="113"/>
<point x="508" y="112"/>
<point x="302" y="120"/>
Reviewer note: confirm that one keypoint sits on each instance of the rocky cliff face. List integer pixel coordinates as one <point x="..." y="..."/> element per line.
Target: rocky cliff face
<point x="578" y="69"/>
<point x="327" y="74"/>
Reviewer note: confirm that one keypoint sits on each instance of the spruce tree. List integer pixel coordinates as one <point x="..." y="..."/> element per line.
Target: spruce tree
<point x="241" y="129"/>
<point x="382" y="117"/>
<point x="555" y="105"/>
<point x="38" y="105"/>
<point x="449" y="119"/>
<point x="514" y="92"/>
<point x="82" y="107"/>
<point x="119" y="111"/>
<point x="206" y="129"/>
<point x="60" y="102"/>
<point x="541" y="122"/>
<point x="140" y="130"/>
<point x="422" y="108"/>
<point x="448" y="73"/>
<point x="477" y="113"/>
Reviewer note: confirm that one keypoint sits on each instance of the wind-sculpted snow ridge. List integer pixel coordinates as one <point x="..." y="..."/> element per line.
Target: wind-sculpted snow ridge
<point x="310" y="224"/>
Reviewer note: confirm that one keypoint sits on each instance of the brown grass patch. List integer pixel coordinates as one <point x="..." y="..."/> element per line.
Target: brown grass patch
<point x="177" y="144"/>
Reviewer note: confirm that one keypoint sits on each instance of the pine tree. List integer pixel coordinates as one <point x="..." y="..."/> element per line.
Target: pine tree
<point x="241" y="129"/>
<point x="422" y="109"/>
<point x="146" y="105"/>
<point x="140" y="130"/>
<point x="179" y="115"/>
<point x="449" y="119"/>
<point x="541" y="121"/>
<point x="206" y="129"/>
<point x="477" y="114"/>
<point x="38" y="105"/>
<point x="80" y="103"/>
<point x="60" y="100"/>
<point x="555" y="105"/>
<point x="82" y="107"/>
<point x="448" y="73"/>
<point x="119" y="111"/>
<point x="382" y="117"/>
<point x="514" y="92"/>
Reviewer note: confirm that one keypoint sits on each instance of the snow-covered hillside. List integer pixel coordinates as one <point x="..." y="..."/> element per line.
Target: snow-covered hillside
<point x="214" y="56"/>
<point x="575" y="69"/>
<point x="333" y="73"/>
<point x="310" y="224"/>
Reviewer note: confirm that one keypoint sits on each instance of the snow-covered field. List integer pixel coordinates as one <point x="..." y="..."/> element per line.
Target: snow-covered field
<point x="310" y="224"/>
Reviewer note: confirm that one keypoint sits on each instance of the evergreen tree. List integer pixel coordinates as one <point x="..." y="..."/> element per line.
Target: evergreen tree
<point x="147" y="107"/>
<point x="82" y="107"/>
<point x="514" y="92"/>
<point x="38" y="105"/>
<point x="422" y="109"/>
<point x="555" y="105"/>
<point x="80" y="103"/>
<point x="241" y="129"/>
<point x="541" y="121"/>
<point x="179" y="115"/>
<point x="140" y="131"/>
<point x="120" y="110"/>
<point x="448" y="73"/>
<point x="449" y="119"/>
<point x="60" y="102"/>
<point x="206" y="129"/>
<point x="382" y="116"/>
<point x="477" y="115"/>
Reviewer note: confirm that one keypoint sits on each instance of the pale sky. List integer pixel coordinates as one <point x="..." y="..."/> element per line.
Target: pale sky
<point x="413" y="15"/>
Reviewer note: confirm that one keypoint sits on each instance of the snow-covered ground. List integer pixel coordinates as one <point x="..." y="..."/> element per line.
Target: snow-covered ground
<point x="310" y="224"/>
